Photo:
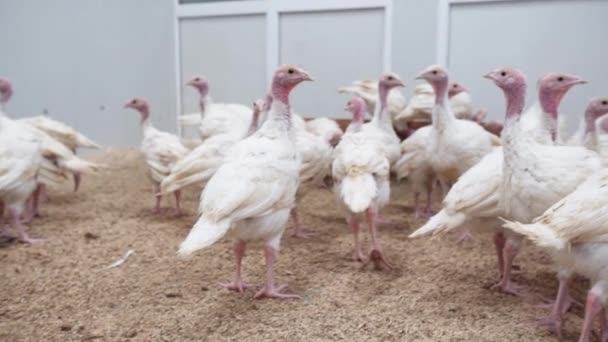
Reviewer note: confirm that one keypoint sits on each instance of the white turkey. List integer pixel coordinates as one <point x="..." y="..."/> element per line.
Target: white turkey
<point x="200" y="164"/>
<point x="356" y="106"/>
<point x="326" y="128"/>
<point x="58" y="161"/>
<point x="20" y="160"/>
<point x="216" y="118"/>
<point x="368" y="91"/>
<point x="414" y="165"/>
<point x="161" y="150"/>
<point x="361" y="172"/>
<point x="251" y="194"/>
<point x="380" y="128"/>
<point x="575" y="232"/>
<point x="65" y="134"/>
<point x="454" y="145"/>
<point x="315" y="152"/>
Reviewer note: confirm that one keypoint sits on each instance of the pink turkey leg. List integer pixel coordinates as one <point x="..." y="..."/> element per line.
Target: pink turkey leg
<point x="269" y="290"/>
<point x="238" y="285"/>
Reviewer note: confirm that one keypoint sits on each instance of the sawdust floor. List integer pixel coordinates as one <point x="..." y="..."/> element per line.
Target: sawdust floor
<point x="439" y="291"/>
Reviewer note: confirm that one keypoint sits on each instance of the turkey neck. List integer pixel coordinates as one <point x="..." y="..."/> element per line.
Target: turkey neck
<point x="515" y="99"/>
<point x="382" y="118"/>
<point x="255" y="119"/>
<point x="204" y="103"/>
<point x="145" y="117"/>
<point x="280" y="109"/>
<point x="549" y="102"/>
<point x="590" y="136"/>
<point x="441" y="118"/>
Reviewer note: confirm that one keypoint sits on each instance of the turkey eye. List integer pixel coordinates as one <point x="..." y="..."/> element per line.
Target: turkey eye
<point x="291" y="71"/>
<point x="390" y="78"/>
<point x="604" y="103"/>
<point x="197" y="79"/>
<point x="503" y="74"/>
<point x="560" y="79"/>
<point x="133" y="102"/>
<point x="434" y="72"/>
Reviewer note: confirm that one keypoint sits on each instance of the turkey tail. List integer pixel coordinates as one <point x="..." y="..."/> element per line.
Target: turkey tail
<point x="358" y="191"/>
<point x="79" y="165"/>
<point x="83" y="141"/>
<point x="540" y="234"/>
<point x="193" y="119"/>
<point x="401" y="168"/>
<point x="495" y="140"/>
<point x="204" y="233"/>
<point x="171" y="183"/>
<point x="440" y="222"/>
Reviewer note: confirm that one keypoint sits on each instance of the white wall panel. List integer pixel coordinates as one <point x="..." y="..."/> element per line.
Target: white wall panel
<point x="82" y="62"/>
<point x="337" y="47"/>
<point x="535" y="36"/>
<point x="230" y="52"/>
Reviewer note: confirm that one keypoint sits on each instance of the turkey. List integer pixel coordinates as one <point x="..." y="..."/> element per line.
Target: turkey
<point x="380" y="127"/>
<point x="368" y="91"/>
<point x="535" y="176"/>
<point x="216" y="118"/>
<point x="586" y="133"/>
<point x="65" y="134"/>
<point x="58" y="160"/>
<point x="326" y="128"/>
<point x="414" y="166"/>
<point x="575" y="231"/>
<point x="601" y="128"/>
<point x="20" y="160"/>
<point x="420" y="107"/>
<point x="252" y="193"/>
<point x="161" y="150"/>
<point x="475" y="198"/>
<point x="200" y="164"/>
<point x="454" y="145"/>
<point x="356" y="106"/>
<point x="315" y="152"/>
<point x="361" y="171"/>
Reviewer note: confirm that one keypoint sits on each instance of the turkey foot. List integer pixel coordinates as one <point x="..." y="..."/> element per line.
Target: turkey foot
<point x="236" y="285"/>
<point x="377" y="258"/>
<point x="274" y="292"/>
<point x="508" y="287"/>
<point x="463" y="236"/>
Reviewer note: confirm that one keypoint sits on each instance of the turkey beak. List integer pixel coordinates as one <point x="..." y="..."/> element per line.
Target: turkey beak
<point x="306" y="76"/>
<point x="489" y="75"/>
<point x="190" y="83"/>
<point x="400" y="83"/>
<point x="127" y="105"/>
<point x="421" y="75"/>
<point x="579" y="80"/>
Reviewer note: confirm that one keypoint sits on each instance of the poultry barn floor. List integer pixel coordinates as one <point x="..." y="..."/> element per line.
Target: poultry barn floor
<point x="438" y="291"/>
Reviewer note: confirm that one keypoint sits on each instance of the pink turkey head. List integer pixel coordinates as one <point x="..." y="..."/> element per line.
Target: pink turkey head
<point x="6" y="90"/>
<point x="602" y="123"/>
<point x="513" y="84"/>
<point x="389" y="80"/>
<point x="200" y="83"/>
<point x="552" y="88"/>
<point x="286" y="77"/>
<point x="141" y="105"/>
<point x="356" y="106"/>
<point x="597" y="107"/>
<point x="455" y="88"/>
<point x="434" y="75"/>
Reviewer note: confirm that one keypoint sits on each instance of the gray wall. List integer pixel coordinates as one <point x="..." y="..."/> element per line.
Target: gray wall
<point x="336" y="47"/>
<point x="537" y="37"/>
<point x="74" y="58"/>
